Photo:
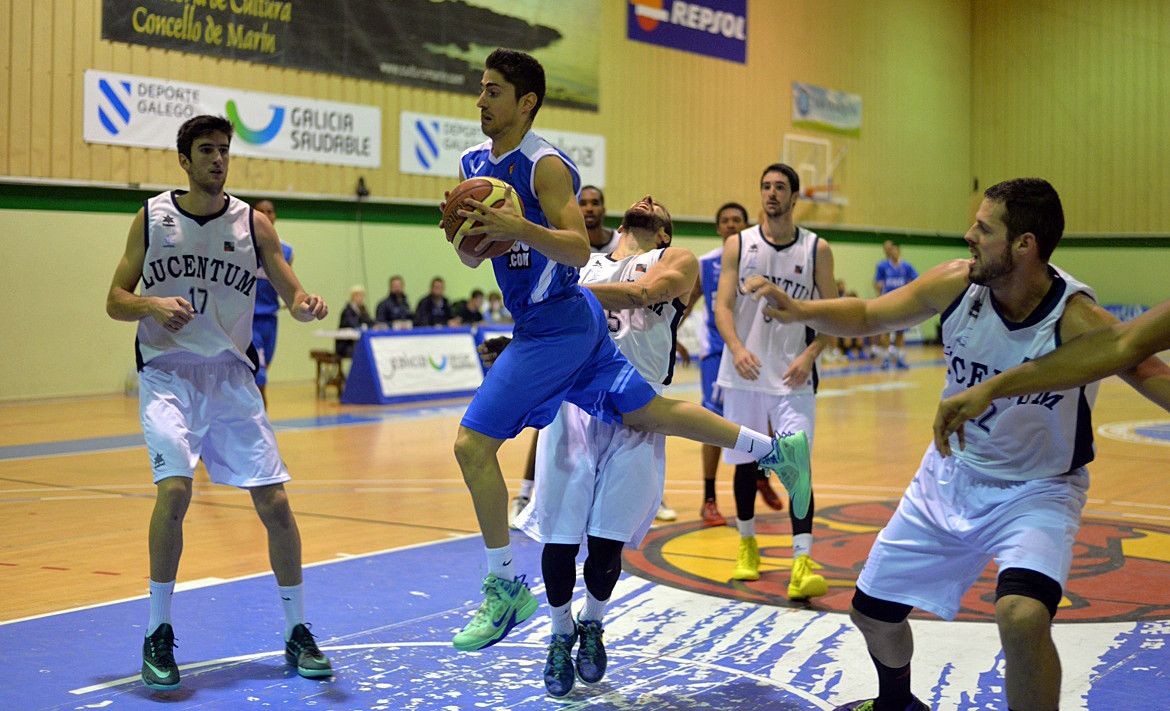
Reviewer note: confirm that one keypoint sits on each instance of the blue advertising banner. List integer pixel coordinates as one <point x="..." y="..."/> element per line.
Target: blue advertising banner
<point x="824" y="109"/>
<point x="716" y="28"/>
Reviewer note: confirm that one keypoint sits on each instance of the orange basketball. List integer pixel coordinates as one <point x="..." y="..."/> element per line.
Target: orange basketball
<point x="491" y="192"/>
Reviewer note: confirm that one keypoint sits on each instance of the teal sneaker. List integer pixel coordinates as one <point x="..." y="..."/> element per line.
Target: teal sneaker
<point x="159" y="670"/>
<point x="868" y="705"/>
<point x="558" y="669"/>
<point x="506" y="604"/>
<point x="301" y="651"/>
<point x="789" y="459"/>
<point x="591" y="657"/>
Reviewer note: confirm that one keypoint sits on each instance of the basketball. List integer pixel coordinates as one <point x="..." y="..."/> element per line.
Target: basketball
<point x="489" y="191"/>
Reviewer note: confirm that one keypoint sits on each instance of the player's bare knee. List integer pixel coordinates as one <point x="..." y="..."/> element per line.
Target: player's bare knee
<point x="645" y="418"/>
<point x="1025" y="603"/>
<point x="474" y="451"/>
<point x="272" y="506"/>
<point x="1022" y="622"/>
<point x="174" y="495"/>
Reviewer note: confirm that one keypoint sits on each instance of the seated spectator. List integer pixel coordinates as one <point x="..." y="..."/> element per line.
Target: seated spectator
<point x="494" y="311"/>
<point x="354" y="315"/>
<point x="395" y="307"/>
<point x="434" y="309"/>
<point x="470" y="312"/>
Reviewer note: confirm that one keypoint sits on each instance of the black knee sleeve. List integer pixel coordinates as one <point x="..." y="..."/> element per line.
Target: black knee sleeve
<point x="1029" y="583"/>
<point x="878" y="609"/>
<point x="745" y="490"/>
<point x="603" y="566"/>
<point x="558" y="565"/>
<point x="802" y="525"/>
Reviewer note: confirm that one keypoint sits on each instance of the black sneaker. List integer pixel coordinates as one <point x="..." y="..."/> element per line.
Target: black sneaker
<point x="301" y="651"/>
<point x="159" y="670"/>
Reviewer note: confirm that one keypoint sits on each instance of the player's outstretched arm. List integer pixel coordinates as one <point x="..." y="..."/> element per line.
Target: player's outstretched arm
<point x="122" y="304"/>
<point x="894" y="311"/>
<point x="303" y="306"/>
<point x="671" y="277"/>
<point x="1104" y="347"/>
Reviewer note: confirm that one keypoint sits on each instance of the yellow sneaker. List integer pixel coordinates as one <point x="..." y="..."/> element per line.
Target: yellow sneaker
<point x="747" y="563"/>
<point x="805" y="583"/>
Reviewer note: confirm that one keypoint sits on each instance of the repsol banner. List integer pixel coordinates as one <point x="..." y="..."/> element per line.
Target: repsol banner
<point x="716" y="28"/>
<point x="431" y="145"/>
<point x="127" y="110"/>
<point x="426" y="43"/>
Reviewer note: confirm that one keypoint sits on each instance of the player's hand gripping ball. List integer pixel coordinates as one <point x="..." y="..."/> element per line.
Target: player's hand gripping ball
<point x="491" y="192"/>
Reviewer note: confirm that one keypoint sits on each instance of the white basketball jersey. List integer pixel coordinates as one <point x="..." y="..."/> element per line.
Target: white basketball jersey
<point x="791" y="267"/>
<point x="646" y="335"/>
<point x="1018" y="438"/>
<point x="209" y="260"/>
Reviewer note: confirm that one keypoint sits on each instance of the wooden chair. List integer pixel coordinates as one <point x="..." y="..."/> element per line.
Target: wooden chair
<point x="329" y="371"/>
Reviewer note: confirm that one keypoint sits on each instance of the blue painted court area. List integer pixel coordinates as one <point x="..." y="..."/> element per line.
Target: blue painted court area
<point x="386" y="621"/>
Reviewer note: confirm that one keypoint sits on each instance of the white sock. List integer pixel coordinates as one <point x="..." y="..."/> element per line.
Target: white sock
<point x="526" y="488"/>
<point x="500" y="562"/>
<point x="801" y="545"/>
<point x="562" y="619"/>
<point x="747" y="529"/>
<point x="292" y="599"/>
<point x="160" y="605"/>
<point x="753" y="443"/>
<point x="594" y="609"/>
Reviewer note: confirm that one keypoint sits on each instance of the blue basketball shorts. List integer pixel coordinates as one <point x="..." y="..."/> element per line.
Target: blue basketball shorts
<point x="264" y="340"/>
<point x="708" y="374"/>
<point x="560" y="351"/>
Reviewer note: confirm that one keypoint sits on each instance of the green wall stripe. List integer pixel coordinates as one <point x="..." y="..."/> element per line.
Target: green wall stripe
<point x="76" y="198"/>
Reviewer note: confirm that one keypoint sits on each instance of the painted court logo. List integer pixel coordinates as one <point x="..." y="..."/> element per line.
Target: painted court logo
<point x="1117" y="575"/>
<point x="254" y="136"/>
<point x="113" y="106"/>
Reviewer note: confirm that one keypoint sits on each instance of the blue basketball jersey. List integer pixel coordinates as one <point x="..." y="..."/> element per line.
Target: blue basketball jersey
<point x="710" y="264"/>
<point x="526" y="277"/>
<point x="891" y="277"/>
<point x="267" y="300"/>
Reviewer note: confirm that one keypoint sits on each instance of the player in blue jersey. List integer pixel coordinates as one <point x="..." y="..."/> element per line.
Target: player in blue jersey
<point x="267" y="306"/>
<point x="892" y="273"/>
<point x="561" y="349"/>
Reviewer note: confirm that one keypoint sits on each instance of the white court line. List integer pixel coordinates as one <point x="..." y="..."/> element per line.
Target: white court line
<point x="681" y="661"/>
<point x="224" y="581"/>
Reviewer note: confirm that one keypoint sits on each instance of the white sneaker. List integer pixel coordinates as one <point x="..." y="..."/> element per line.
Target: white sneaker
<point x="665" y="513"/>
<point x="514" y="508"/>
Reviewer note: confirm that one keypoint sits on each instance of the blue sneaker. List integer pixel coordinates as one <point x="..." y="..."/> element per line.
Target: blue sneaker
<point x="900" y="364"/>
<point x="558" y="669"/>
<point x="789" y="460"/>
<point x="591" y="657"/>
<point x="506" y="604"/>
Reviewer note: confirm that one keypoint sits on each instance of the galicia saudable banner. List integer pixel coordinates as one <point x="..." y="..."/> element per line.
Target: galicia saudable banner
<point x="436" y="44"/>
<point x="128" y="110"/>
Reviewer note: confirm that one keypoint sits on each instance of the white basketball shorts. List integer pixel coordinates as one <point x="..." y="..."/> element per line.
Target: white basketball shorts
<point x="594" y="478"/>
<point x="952" y="521"/>
<point x="769" y="414"/>
<point x="210" y="409"/>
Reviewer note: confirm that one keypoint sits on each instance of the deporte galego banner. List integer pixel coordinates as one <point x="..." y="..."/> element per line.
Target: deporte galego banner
<point x="128" y="110"/>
